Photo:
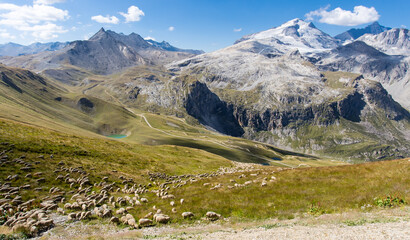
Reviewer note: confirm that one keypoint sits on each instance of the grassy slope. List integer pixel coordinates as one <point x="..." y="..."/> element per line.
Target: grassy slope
<point x="334" y="189"/>
<point x="105" y="154"/>
<point x="174" y="131"/>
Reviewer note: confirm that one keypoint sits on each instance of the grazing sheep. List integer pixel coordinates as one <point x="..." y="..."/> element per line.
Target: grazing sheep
<point x="144" y="222"/>
<point x="212" y="216"/>
<point x="161" y="218"/>
<point x="187" y="214"/>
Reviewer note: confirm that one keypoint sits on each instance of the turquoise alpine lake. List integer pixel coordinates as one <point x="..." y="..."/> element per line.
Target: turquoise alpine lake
<point x="118" y="136"/>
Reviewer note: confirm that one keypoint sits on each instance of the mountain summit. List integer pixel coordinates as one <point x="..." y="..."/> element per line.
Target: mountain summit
<point x="355" y="33"/>
<point x="98" y="35"/>
<point x="297" y="33"/>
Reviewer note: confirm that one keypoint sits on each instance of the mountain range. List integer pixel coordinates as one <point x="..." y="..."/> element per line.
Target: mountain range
<point x="166" y="46"/>
<point x="104" y="53"/>
<point x="14" y="49"/>
<point x="292" y="86"/>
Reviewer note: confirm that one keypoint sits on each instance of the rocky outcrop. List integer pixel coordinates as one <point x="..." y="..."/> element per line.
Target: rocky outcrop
<point x="85" y="105"/>
<point x="9" y="82"/>
<point x="324" y="114"/>
<point x="350" y="107"/>
<point x="378" y="96"/>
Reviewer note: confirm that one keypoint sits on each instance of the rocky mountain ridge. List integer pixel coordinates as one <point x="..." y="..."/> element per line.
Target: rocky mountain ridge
<point x="104" y="53"/>
<point x="355" y="33"/>
<point x="395" y="41"/>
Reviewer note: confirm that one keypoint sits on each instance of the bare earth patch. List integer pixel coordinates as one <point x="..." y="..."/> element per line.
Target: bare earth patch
<point x="383" y="224"/>
<point x="396" y="230"/>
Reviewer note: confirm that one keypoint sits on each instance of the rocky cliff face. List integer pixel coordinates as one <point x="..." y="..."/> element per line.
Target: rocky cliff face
<point x="349" y="108"/>
<point x="206" y="106"/>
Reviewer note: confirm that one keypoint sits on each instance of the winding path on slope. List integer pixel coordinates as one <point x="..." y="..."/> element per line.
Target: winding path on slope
<point x="191" y="138"/>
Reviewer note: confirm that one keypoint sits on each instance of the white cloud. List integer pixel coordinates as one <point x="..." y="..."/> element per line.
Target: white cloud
<point x="403" y="26"/>
<point x="237" y="29"/>
<point x="24" y="15"/>
<point x="6" y="35"/>
<point x="48" y="2"/>
<point x="36" y="19"/>
<point x="341" y="17"/>
<point x="107" y="19"/>
<point x="171" y="28"/>
<point x="45" y="31"/>
<point x="134" y="14"/>
<point x="150" y="38"/>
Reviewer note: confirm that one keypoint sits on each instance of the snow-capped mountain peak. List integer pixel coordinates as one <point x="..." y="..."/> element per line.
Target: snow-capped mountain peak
<point x="293" y="22"/>
<point x="297" y="34"/>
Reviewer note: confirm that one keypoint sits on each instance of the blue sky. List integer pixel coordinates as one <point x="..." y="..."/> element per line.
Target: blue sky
<point x="196" y="24"/>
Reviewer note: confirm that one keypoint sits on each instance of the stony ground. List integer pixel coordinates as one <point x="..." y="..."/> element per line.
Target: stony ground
<point x="399" y="230"/>
<point x="385" y="224"/>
